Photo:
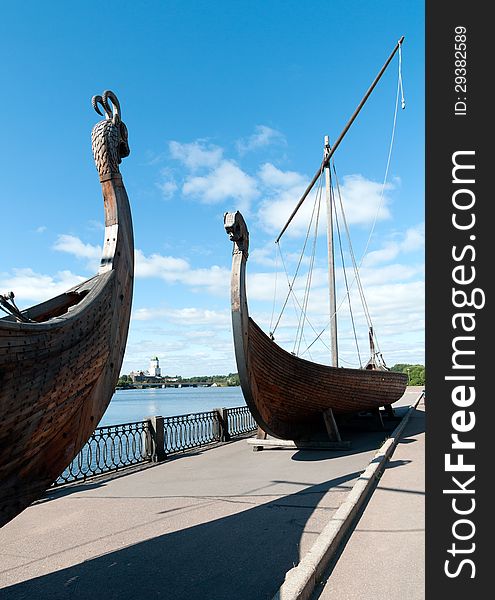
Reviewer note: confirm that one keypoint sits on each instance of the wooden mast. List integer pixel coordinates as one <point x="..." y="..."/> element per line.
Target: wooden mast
<point x="331" y="263"/>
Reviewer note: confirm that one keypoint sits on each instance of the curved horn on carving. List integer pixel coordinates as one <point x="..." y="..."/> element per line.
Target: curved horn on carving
<point x="109" y="95"/>
<point x="98" y="100"/>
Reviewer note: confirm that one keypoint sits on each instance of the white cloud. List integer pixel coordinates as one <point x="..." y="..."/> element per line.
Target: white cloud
<point x="96" y="225"/>
<point x="413" y="239"/>
<point x="362" y="200"/>
<point x="29" y="286"/>
<point x="189" y="341"/>
<point x="168" y="268"/>
<point x="266" y="255"/>
<point x="73" y="245"/>
<point x="219" y="179"/>
<point x="263" y="136"/>
<point x="197" y="154"/>
<point x="214" y="279"/>
<point x="275" y="178"/>
<point x="167" y="188"/>
<point x="41" y="229"/>
<point x="171" y="269"/>
<point x="274" y="212"/>
<point x="185" y="316"/>
<point x="225" y="181"/>
<point x="389" y="273"/>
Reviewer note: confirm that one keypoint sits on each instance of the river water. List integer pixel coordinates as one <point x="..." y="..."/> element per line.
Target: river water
<point x="128" y="406"/>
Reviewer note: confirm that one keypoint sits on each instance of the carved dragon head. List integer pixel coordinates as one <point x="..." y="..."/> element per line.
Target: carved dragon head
<point x="109" y="137"/>
<point x="237" y="230"/>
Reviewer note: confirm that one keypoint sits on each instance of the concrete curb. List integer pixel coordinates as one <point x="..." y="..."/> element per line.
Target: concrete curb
<point x="300" y="581"/>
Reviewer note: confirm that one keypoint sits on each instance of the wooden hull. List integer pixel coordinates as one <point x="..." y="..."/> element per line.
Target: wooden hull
<point x="286" y="394"/>
<point x="57" y="376"/>
<point x="289" y="394"/>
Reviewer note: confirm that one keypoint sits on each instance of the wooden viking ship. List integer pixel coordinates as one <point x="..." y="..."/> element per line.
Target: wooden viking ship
<point x="60" y="360"/>
<point x="292" y="398"/>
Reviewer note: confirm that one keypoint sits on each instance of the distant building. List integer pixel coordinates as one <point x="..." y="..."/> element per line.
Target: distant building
<point x="154" y="369"/>
<point x="152" y="375"/>
<point x="137" y="376"/>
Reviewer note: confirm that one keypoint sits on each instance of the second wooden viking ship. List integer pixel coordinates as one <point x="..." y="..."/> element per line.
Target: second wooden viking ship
<point x="60" y="360"/>
<point x="289" y="397"/>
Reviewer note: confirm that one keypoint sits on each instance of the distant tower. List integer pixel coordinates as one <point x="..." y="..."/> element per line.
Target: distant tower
<point x="154" y="369"/>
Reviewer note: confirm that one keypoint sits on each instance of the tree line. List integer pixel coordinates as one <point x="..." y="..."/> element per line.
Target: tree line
<point x="415" y="374"/>
<point x="232" y="379"/>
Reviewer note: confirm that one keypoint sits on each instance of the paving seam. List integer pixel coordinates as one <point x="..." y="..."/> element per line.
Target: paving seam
<point x="301" y="581"/>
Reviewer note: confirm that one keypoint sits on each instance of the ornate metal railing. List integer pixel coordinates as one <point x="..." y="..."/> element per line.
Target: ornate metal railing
<point x="109" y="449"/>
<point x="183" y="432"/>
<point x="240" y="420"/>
<point x="115" y="447"/>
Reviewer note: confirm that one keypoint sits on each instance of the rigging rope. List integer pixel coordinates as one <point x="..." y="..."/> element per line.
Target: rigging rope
<point x="310" y="272"/>
<point x="345" y="279"/>
<point x="295" y="300"/>
<point x="274" y="294"/>
<point x="291" y="284"/>
<point x="403" y="101"/>
<point x="400" y="92"/>
<point x="357" y="278"/>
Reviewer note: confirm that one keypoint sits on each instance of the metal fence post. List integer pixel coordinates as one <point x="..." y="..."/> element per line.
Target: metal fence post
<point x="221" y="430"/>
<point x="157" y="439"/>
<point x="225" y="419"/>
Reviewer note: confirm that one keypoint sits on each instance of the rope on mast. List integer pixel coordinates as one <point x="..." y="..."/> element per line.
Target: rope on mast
<point x="291" y="284"/>
<point x="391" y="145"/>
<point x="309" y="278"/>
<point x="325" y="162"/>
<point x="327" y="158"/>
<point x="346" y="280"/>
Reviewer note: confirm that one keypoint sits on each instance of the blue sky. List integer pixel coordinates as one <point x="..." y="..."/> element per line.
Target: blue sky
<point x="226" y="104"/>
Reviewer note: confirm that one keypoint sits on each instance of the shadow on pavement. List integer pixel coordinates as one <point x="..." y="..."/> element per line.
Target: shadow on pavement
<point x="240" y="557"/>
<point x="363" y="440"/>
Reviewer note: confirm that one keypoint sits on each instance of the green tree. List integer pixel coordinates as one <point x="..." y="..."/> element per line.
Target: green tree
<point x="124" y="380"/>
<point x="415" y="373"/>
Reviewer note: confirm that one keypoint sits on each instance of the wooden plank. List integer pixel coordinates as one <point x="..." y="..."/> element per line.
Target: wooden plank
<point x="291" y="444"/>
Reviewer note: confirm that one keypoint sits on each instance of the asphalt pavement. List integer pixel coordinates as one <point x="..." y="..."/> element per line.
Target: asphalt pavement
<point x="224" y="523"/>
<point x="384" y="556"/>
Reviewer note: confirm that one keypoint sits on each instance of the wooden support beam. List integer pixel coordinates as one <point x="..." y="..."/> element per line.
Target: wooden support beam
<point x="378" y="419"/>
<point x="334" y="441"/>
<point x="331" y="426"/>
<point x="389" y="411"/>
<point x="299" y="445"/>
<point x="260" y="435"/>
